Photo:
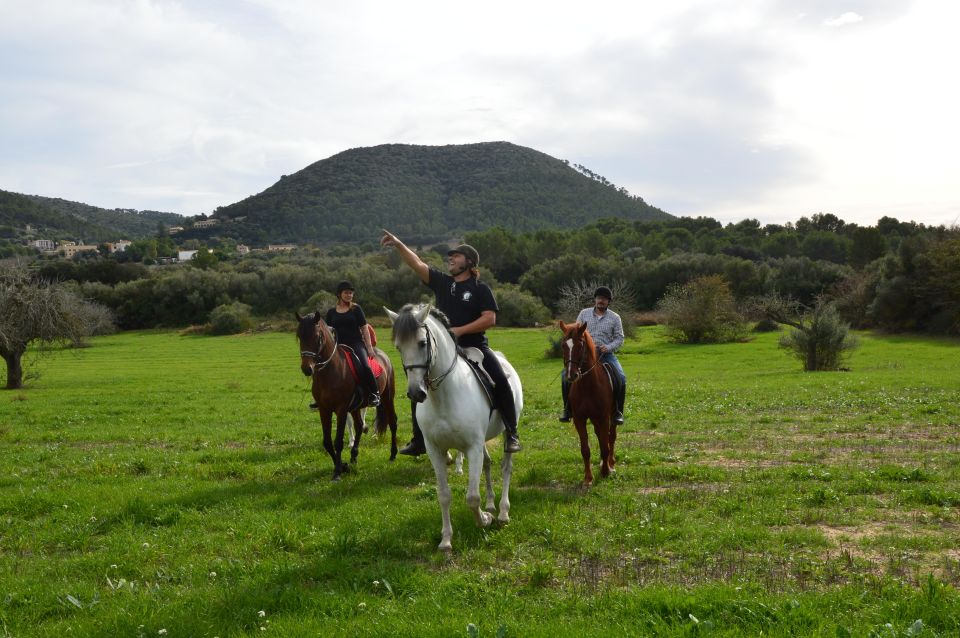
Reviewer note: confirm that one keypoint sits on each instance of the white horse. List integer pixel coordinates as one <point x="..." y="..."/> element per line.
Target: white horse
<point x="454" y="412"/>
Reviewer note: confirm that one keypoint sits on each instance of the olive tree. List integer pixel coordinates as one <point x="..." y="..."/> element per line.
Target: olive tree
<point x="36" y="311"/>
<point x="820" y="339"/>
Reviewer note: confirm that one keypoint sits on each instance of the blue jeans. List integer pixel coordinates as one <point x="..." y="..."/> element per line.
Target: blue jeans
<point x="609" y="357"/>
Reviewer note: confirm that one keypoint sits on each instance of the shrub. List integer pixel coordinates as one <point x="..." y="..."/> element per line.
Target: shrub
<point x="519" y="308"/>
<point x="701" y="311"/>
<point x="229" y="319"/>
<point x="319" y="302"/>
<point x="820" y="338"/>
<point x="766" y="325"/>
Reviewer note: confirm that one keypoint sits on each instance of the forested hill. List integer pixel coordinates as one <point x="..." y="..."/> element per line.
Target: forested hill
<point x="61" y="219"/>
<point x="428" y="193"/>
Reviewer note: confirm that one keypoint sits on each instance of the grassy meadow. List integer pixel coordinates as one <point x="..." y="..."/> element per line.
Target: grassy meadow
<point x="164" y="485"/>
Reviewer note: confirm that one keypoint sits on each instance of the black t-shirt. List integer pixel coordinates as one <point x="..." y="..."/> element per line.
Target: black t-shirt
<point x="463" y="302"/>
<point x="348" y="325"/>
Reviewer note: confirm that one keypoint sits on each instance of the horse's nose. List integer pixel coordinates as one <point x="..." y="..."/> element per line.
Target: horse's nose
<point x="417" y="395"/>
<point x="306" y="370"/>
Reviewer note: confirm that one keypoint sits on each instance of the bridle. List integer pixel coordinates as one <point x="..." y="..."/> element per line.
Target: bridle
<point x="431" y="383"/>
<point x="318" y="365"/>
<point x="580" y="372"/>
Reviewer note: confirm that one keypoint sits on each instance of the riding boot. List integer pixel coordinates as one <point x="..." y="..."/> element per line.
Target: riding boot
<point x="565" y="392"/>
<point x="373" y="390"/>
<point x="508" y="414"/>
<point x="416" y="446"/>
<point x="621" y="395"/>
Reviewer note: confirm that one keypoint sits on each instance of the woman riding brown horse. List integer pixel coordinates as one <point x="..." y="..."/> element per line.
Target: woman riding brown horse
<point x="591" y="397"/>
<point x="336" y="389"/>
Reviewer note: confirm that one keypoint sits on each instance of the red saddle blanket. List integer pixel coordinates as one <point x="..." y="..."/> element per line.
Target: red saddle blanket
<point x="374" y="365"/>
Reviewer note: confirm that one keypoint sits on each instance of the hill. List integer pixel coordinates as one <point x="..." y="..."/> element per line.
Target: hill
<point x="427" y="193"/>
<point x="61" y="219"/>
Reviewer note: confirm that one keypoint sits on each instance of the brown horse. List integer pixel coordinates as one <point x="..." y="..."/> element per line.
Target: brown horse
<point x="591" y="397"/>
<point x="336" y="391"/>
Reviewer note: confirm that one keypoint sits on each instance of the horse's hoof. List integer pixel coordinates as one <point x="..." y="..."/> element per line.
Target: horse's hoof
<point x="503" y="519"/>
<point x="446" y="547"/>
<point x="485" y="519"/>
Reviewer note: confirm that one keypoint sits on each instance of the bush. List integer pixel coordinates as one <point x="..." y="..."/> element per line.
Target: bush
<point x="701" y="311"/>
<point x="820" y="339"/>
<point x="319" y="302"/>
<point x="766" y="325"/>
<point x="519" y="308"/>
<point x="230" y="319"/>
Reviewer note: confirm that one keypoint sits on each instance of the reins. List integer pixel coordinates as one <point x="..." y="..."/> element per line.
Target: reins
<point x="582" y="373"/>
<point x="316" y="355"/>
<point x="432" y="383"/>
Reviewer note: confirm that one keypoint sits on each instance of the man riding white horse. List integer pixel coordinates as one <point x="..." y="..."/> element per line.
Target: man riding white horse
<point x="471" y="308"/>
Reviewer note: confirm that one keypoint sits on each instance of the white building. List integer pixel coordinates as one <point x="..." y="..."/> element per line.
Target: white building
<point x="43" y="244"/>
<point x="185" y="255"/>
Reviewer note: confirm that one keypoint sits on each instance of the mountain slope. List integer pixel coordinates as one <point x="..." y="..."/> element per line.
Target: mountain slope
<point x="54" y="218"/>
<point x="427" y="193"/>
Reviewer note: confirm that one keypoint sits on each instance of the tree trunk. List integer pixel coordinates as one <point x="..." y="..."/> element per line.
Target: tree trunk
<point x="14" y="370"/>
<point x="812" y="365"/>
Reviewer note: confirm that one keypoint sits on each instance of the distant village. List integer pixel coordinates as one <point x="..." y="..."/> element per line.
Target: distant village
<point x="68" y="249"/>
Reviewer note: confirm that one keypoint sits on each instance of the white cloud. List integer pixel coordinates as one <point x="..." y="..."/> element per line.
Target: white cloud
<point x="843" y="20"/>
<point x="699" y="109"/>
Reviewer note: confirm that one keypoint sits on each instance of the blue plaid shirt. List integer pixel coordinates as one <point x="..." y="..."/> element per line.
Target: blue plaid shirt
<point x="606" y="330"/>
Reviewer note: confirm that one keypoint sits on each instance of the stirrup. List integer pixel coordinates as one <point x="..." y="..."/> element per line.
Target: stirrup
<point x="511" y="444"/>
<point x="618" y="418"/>
<point x="565" y="417"/>
<point x="374" y="400"/>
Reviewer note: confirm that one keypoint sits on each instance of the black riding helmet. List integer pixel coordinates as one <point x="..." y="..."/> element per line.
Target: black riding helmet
<point x="603" y="291"/>
<point x="467" y="251"/>
<point x="344" y="285"/>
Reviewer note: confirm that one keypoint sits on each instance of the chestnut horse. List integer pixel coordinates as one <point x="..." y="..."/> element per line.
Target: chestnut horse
<point x="591" y="397"/>
<point x="335" y="390"/>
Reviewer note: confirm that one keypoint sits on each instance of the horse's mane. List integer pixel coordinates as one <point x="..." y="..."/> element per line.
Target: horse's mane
<point x="406" y="325"/>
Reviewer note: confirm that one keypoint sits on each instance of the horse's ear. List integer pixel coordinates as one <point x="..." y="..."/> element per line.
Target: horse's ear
<point x="581" y="327"/>
<point x="393" y="316"/>
<point x="297" y="315"/>
<point x="561" y="325"/>
<point x="316" y="317"/>
<point x="423" y="313"/>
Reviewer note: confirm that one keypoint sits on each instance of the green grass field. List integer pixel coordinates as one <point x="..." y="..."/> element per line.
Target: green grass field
<point x="164" y="485"/>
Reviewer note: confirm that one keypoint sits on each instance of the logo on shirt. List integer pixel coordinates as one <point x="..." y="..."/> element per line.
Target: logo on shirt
<point x="467" y="295"/>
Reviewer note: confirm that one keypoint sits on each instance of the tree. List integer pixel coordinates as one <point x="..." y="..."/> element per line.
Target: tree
<point x="820" y="339"/>
<point x="701" y="311"/>
<point x="32" y="311"/>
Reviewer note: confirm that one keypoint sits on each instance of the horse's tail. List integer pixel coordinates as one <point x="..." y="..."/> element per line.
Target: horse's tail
<point x="380" y="420"/>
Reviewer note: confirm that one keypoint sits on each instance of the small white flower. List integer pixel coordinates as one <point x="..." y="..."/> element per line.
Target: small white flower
<point x="362" y="605"/>
<point x="376" y="583"/>
<point x="261" y="613"/>
<point x="162" y="632"/>
<point x="145" y="545"/>
<point x="113" y="566"/>
<point x="93" y="519"/>
<point x="213" y="574"/>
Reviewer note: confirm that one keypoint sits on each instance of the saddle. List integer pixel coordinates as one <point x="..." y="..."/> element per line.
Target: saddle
<point x="613" y="378"/>
<point x="353" y="360"/>
<point x="359" y="398"/>
<point x="474" y="357"/>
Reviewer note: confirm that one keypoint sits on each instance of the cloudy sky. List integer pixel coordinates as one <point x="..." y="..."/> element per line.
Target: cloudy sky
<point x="763" y="109"/>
